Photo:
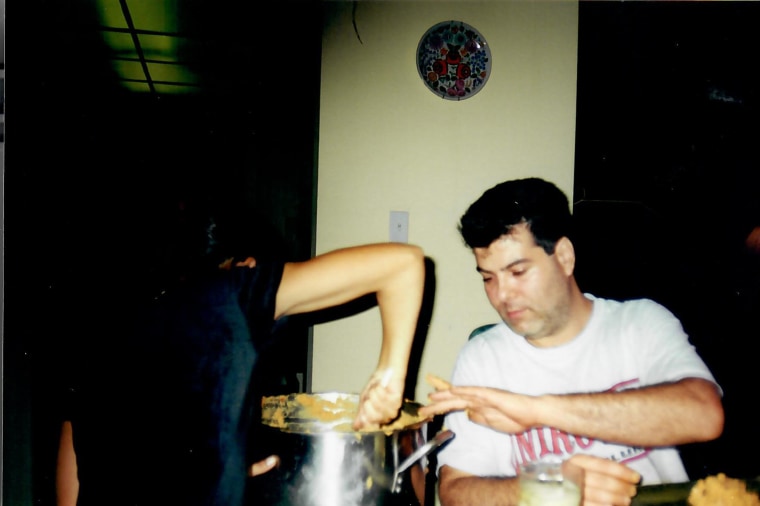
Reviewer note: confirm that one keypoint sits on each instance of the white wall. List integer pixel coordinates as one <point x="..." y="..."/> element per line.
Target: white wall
<point x="387" y="143"/>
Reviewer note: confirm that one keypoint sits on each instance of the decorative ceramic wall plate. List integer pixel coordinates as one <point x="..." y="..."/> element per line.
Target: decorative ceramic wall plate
<point x="453" y="60"/>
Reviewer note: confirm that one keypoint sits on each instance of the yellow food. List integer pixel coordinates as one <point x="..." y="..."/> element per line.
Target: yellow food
<point x="720" y="490"/>
<point x="337" y="413"/>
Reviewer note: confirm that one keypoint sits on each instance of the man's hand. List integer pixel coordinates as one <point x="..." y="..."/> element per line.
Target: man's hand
<point x="499" y="409"/>
<point x="381" y="399"/>
<point x="606" y="482"/>
<point x="264" y="466"/>
<point x="437" y="382"/>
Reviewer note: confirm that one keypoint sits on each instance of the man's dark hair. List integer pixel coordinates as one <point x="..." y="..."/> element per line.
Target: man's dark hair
<point x="539" y="204"/>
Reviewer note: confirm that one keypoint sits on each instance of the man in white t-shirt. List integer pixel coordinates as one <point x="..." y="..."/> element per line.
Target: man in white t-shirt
<point x="613" y="386"/>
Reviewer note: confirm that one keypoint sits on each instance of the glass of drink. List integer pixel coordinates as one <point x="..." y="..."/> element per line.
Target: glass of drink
<point x="550" y="481"/>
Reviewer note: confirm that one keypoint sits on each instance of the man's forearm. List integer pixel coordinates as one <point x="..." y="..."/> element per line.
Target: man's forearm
<point x="469" y="490"/>
<point x="664" y="415"/>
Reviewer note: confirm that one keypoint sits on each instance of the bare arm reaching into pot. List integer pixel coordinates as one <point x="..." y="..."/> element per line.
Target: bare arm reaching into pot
<point x="396" y="274"/>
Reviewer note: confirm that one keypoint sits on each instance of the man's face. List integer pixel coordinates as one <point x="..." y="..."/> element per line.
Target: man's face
<point x="530" y="289"/>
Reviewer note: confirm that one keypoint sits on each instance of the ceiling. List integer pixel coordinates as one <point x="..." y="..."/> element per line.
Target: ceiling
<point x="141" y="84"/>
<point x="150" y="49"/>
<point x="115" y="103"/>
<point x="175" y="47"/>
<point x="170" y="47"/>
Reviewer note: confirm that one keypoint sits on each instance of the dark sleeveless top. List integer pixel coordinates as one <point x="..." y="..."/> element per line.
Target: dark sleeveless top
<point x="163" y="402"/>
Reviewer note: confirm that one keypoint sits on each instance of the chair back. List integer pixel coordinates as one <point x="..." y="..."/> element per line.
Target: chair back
<point x="480" y="330"/>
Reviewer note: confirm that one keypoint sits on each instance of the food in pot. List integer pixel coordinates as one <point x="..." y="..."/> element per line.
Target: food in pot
<point x="720" y="490"/>
<point x="316" y="413"/>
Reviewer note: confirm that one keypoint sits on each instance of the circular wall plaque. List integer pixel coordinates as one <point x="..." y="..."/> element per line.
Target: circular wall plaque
<point x="453" y="60"/>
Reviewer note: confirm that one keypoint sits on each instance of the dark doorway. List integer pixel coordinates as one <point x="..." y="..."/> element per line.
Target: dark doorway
<point x="667" y="184"/>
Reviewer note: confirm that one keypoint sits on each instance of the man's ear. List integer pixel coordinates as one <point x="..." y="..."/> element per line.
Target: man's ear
<point x="565" y="253"/>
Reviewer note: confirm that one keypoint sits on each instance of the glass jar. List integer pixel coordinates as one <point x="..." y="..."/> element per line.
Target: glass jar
<point x="550" y="481"/>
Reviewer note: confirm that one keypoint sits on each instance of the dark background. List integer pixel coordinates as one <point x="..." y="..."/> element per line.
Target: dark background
<point x="87" y="163"/>
<point x="665" y="185"/>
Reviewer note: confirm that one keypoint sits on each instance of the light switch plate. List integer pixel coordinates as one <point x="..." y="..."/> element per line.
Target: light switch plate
<point x="399" y="226"/>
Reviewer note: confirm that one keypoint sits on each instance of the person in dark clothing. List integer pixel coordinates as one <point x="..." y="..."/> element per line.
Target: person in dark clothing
<point x="163" y="402"/>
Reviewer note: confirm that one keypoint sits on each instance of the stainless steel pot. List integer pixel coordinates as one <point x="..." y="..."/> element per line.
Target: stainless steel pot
<point x="321" y="465"/>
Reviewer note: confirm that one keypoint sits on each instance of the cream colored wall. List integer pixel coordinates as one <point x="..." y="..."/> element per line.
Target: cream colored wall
<point x="386" y="143"/>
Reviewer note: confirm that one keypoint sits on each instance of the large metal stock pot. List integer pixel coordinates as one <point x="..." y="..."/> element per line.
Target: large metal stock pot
<point x="323" y="462"/>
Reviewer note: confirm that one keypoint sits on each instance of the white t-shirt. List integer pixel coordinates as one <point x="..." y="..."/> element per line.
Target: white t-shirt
<point x="624" y="345"/>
